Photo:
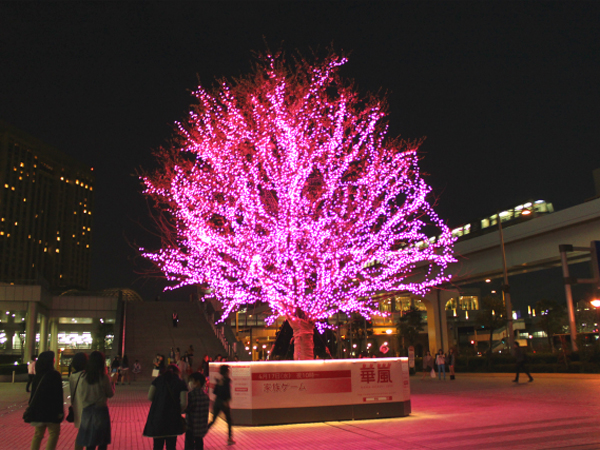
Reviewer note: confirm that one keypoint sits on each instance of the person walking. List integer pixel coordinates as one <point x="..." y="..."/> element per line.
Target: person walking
<point x="78" y="366"/>
<point x="204" y="365"/>
<point x="159" y="365"/>
<point x="46" y="402"/>
<point x="196" y="414"/>
<point x="451" y="362"/>
<point x="190" y="355"/>
<point x="440" y="360"/>
<point x="521" y="358"/>
<point x="30" y="374"/>
<point x="175" y="319"/>
<point x="222" y="391"/>
<point x="124" y="368"/>
<point x="427" y="365"/>
<point x="95" y="388"/>
<point x="115" y="366"/>
<point x="168" y="394"/>
<point x="182" y="365"/>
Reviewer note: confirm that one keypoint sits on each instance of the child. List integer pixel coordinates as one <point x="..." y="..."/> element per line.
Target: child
<point x="196" y="413"/>
<point x="222" y="393"/>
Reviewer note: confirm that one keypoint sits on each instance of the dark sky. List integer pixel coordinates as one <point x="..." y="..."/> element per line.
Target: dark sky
<point x="507" y="93"/>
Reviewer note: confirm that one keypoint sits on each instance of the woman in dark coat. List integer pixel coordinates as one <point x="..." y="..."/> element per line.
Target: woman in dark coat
<point x="46" y="402"/>
<point x="168" y="395"/>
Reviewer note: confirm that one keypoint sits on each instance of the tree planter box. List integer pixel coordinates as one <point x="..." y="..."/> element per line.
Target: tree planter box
<point x="282" y="392"/>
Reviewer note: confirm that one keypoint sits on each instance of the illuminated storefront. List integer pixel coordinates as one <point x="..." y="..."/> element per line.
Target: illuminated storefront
<point x="66" y="324"/>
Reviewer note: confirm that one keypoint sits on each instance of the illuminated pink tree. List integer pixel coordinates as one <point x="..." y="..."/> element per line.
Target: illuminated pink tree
<point x="282" y="188"/>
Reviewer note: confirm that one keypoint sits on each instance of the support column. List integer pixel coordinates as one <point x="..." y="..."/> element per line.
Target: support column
<point x="437" y="325"/>
<point x="30" y="325"/>
<point x="43" y="333"/>
<point x="54" y="335"/>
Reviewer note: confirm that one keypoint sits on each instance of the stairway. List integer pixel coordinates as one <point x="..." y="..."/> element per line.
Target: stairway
<point x="149" y="330"/>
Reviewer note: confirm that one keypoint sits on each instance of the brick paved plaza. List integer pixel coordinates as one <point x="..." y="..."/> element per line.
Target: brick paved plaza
<point x="475" y="411"/>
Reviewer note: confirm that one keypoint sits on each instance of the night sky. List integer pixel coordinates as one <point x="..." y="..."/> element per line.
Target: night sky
<point x="507" y="93"/>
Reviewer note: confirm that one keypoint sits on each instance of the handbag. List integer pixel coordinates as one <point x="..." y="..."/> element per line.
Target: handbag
<point x="432" y="373"/>
<point x="155" y="373"/>
<point x="71" y="415"/>
<point x="28" y="413"/>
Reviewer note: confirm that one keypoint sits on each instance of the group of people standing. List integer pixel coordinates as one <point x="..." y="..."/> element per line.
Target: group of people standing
<point x="441" y="360"/>
<point x="90" y="386"/>
<point x="119" y="368"/>
<point x="170" y="396"/>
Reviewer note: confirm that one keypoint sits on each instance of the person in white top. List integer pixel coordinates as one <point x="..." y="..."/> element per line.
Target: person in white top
<point x="440" y="360"/>
<point x="95" y="388"/>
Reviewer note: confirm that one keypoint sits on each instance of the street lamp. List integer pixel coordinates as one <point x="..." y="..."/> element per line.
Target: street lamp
<point x="596" y="304"/>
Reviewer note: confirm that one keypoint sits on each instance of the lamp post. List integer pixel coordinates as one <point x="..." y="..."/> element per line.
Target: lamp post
<point x="596" y="304"/>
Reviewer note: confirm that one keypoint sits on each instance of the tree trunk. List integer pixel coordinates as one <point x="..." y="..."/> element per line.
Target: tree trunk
<point x="304" y="331"/>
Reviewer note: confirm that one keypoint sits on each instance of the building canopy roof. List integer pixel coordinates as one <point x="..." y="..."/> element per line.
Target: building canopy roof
<point x="129" y="295"/>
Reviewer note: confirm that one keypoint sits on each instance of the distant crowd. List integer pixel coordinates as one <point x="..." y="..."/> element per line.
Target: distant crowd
<point x="185" y="362"/>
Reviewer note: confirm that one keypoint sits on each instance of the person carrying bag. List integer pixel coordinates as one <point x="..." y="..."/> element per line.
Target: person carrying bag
<point x="45" y="410"/>
<point x="95" y="390"/>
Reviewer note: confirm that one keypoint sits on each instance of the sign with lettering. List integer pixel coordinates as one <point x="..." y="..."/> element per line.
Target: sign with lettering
<point x="293" y="384"/>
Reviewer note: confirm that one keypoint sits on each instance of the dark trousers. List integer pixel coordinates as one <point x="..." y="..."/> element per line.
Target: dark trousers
<point x="29" y="381"/>
<point x="159" y="443"/>
<point x="100" y="447"/>
<point x="521" y="368"/>
<point x="217" y="408"/>
<point x="193" y="443"/>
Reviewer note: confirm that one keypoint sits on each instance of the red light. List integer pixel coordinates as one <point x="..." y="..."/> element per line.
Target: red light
<point x="472" y="342"/>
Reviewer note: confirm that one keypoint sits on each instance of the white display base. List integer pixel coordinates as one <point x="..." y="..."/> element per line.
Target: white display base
<point x="280" y="392"/>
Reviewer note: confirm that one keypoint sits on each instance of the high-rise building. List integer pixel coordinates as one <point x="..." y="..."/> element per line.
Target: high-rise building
<point x="46" y="204"/>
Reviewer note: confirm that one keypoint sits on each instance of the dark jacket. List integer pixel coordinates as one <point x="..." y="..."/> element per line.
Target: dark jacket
<point x="47" y="405"/>
<point x="164" y="417"/>
<point x="197" y="412"/>
<point x="222" y="390"/>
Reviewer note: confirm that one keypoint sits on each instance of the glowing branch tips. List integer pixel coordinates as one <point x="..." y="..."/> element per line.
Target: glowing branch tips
<point x="282" y="187"/>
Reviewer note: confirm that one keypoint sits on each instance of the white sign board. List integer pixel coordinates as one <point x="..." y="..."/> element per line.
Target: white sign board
<point x="294" y="384"/>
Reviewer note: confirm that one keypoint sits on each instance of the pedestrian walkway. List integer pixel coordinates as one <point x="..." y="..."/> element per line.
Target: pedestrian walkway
<point x="473" y="412"/>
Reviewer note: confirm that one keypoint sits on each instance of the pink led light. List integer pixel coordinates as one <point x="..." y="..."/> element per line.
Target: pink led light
<point x="282" y="187"/>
